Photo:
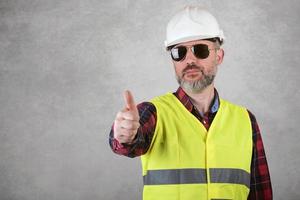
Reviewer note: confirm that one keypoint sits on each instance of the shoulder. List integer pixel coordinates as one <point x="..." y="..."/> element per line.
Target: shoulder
<point x="251" y="115"/>
<point x="162" y="98"/>
<point x="165" y="101"/>
<point x="232" y="105"/>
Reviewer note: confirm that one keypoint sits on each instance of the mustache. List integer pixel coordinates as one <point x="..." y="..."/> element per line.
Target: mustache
<point x="192" y="66"/>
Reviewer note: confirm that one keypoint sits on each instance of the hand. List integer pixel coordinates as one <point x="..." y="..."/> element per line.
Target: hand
<point x="127" y="120"/>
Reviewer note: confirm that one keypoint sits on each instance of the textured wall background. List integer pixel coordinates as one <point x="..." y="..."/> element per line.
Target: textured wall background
<point x="65" y="64"/>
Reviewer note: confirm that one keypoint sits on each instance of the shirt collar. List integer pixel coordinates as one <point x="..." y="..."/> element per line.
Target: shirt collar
<point x="186" y="101"/>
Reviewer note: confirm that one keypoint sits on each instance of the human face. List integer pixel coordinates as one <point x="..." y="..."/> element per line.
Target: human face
<point x="194" y="74"/>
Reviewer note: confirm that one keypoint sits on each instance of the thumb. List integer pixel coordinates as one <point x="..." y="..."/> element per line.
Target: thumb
<point x="129" y="101"/>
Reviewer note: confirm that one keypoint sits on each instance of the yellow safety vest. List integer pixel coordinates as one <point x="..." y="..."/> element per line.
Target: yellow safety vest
<point x="187" y="162"/>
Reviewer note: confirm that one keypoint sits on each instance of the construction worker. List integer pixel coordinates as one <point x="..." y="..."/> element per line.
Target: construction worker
<point x="194" y="144"/>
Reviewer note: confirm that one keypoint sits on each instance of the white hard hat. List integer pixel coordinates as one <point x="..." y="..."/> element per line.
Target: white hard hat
<point x="192" y="23"/>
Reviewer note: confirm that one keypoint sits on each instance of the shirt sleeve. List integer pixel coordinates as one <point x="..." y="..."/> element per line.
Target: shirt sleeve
<point x="142" y="141"/>
<point x="260" y="183"/>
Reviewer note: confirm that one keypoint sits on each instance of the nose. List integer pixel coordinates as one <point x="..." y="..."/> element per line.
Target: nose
<point x="190" y="57"/>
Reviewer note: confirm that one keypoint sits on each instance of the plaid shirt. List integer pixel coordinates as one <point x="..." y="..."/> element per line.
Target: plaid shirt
<point x="260" y="185"/>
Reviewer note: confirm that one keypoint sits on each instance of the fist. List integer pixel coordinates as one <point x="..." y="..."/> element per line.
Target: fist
<point x="127" y="120"/>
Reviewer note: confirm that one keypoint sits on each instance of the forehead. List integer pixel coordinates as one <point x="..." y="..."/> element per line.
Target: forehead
<point x="209" y="43"/>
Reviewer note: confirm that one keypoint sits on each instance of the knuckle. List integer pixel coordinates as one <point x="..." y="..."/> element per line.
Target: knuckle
<point x="119" y="116"/>
<point x="123" y="124"/>
<point x="131" y="115"/>
<point x="130" y="125"/>
<point x="137" y="125"/>
<point x="128" y="132"/>
<point x="118" y="134"/>
<point x="128" y="115"/>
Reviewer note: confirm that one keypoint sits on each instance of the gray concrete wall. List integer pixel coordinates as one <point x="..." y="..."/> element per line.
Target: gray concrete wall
<point x="65" y="64"/>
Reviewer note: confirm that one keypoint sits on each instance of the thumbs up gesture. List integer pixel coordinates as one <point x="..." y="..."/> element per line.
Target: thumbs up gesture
<point x="127" y="120"/>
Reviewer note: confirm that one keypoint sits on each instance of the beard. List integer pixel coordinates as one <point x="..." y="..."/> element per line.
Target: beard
<point x="198" y="85"/>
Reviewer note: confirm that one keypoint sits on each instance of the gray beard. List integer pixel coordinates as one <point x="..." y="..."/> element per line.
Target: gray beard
<point x="196" y="86"/>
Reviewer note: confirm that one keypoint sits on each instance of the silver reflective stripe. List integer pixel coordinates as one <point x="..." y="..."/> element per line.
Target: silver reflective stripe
<point x="175" y="176"/>
<point x="190" y="176"/>
<point x="226" y="175"/>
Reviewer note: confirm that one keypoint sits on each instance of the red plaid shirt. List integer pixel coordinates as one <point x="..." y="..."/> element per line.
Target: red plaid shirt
<point x="260" y="185"/>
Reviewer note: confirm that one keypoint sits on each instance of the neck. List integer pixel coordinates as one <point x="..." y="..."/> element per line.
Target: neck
<point x="203" y="99"/>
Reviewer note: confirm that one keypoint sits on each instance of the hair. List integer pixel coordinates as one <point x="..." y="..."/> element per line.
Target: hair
<point x="215" y="40"/>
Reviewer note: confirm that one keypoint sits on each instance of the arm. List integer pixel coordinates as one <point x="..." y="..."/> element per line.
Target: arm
<point x="260" y="185"/>
<point x="143" y="138"/>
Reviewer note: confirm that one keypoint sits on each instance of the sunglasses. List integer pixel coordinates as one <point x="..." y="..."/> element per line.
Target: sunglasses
<point x="201" y="51"/>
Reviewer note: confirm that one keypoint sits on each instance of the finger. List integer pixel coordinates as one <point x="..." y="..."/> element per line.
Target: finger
<point x="129" y="101"/>
<point x="117" y="127"/>
<point x="126" y="140"/>
<point x="127" y="132"/>
<point x="126" y="136"/>
<point x="131" y="115"/>
<point x="120" y="116"/>
<point x="125" y="127"/>
<point x="127" y="115"/>
<point x="129" y="124"/>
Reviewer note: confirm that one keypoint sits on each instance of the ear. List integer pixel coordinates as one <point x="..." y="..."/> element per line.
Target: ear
<point x="220" y="56"/>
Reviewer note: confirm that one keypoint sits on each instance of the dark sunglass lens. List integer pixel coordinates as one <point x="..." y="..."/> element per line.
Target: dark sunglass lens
<point x="201" y="51"/>
<point x="178" y="53"/>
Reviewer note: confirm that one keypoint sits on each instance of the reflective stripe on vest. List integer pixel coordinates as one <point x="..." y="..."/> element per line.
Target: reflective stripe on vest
<point x="175" y="176"/>
<point x="235" y="176"/>
<point x="190" y="176"/>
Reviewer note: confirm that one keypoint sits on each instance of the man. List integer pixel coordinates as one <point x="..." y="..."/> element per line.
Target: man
<point x="193" y="144"/>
